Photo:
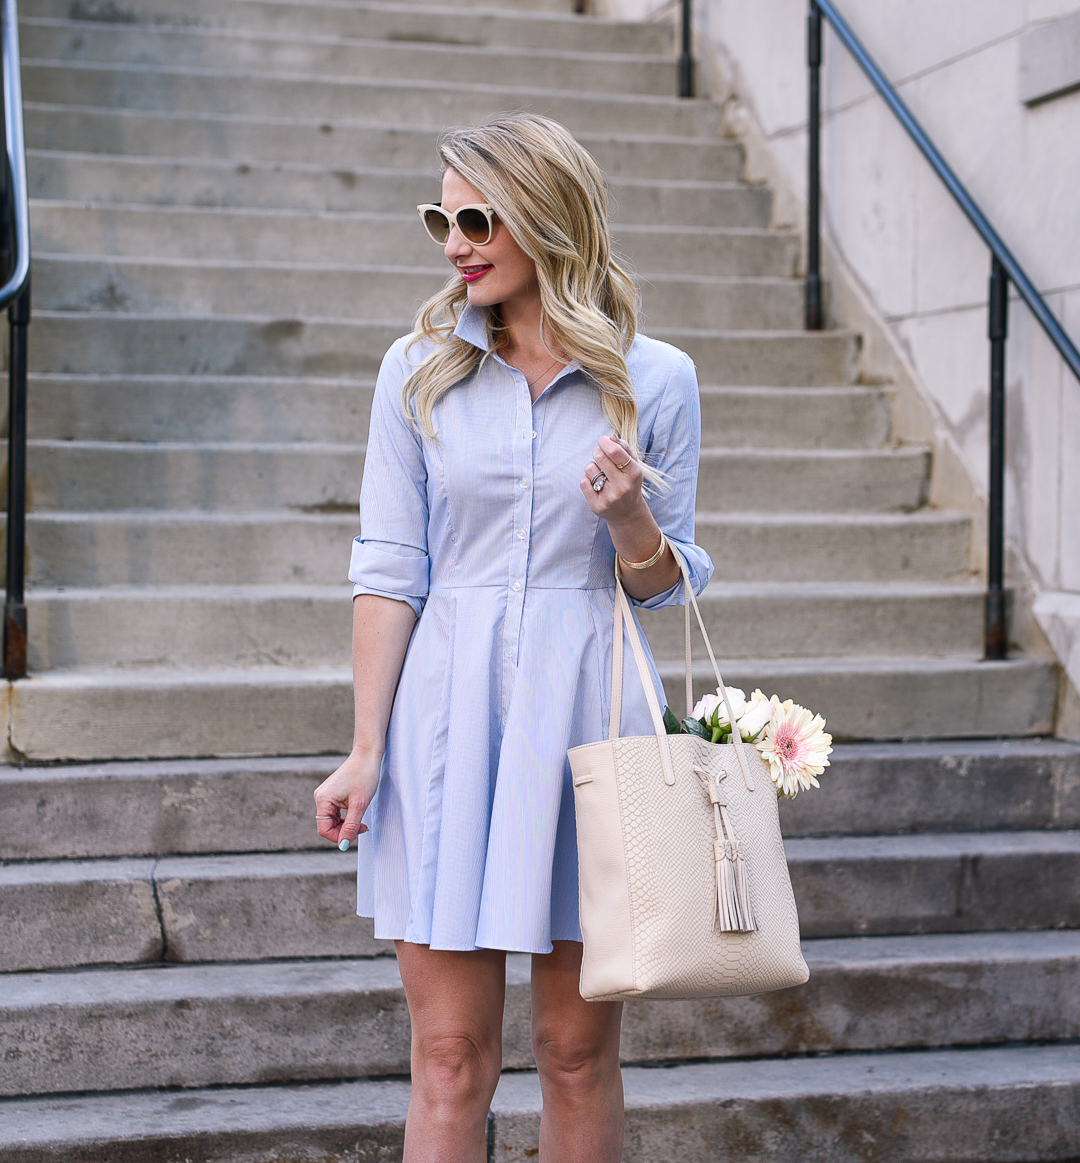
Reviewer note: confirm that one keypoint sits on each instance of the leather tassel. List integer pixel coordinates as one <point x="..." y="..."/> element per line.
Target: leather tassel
<point x="734" y="913"/>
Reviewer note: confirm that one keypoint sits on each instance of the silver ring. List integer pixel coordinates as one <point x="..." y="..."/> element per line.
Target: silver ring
<point x="599" y="481"/>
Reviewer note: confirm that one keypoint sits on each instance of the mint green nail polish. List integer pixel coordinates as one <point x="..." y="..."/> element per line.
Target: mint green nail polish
<point x="343" y="845"/>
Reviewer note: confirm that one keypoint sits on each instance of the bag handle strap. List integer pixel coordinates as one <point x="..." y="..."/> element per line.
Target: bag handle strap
<point x="623" y="613"/>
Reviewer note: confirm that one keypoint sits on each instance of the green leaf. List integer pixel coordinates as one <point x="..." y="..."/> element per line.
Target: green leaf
<point x="674" y="727"/>
<point x="696" y="727"/>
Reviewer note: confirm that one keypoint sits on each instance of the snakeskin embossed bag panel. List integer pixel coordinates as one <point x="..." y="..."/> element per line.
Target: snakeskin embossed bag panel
<point x="683" y="883"/>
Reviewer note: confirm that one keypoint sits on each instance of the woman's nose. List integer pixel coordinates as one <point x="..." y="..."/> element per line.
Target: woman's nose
<point x="457" y="246"/>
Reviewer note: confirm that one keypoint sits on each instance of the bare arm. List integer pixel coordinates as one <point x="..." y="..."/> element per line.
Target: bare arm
<point x="382" y="628"/>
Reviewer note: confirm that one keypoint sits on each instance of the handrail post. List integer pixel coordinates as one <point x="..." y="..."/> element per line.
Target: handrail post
<point x="15" y="596"/>
<point x="814" y="313"/>
<point x="995" y="633"/>
<point x="686" y="60"/>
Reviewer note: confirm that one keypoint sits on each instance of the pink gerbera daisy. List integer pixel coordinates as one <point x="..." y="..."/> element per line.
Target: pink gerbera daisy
<point x="795" y="747"/>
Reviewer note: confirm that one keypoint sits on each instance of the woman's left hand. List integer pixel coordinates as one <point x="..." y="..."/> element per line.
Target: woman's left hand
<point x="620" y="499"/>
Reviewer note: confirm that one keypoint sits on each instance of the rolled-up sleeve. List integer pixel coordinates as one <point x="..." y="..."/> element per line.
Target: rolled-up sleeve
<point x="673" y="447"/>
<point x="390" y="557"/>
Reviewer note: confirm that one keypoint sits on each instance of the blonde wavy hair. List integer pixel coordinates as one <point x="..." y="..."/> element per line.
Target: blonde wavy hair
<point x="552" y="197"/>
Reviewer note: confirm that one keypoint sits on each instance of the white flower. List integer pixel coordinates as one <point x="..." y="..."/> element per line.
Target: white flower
<point x="758" y="712"/>
<point x="705" y="707"/>
<point x="795" y="747"/>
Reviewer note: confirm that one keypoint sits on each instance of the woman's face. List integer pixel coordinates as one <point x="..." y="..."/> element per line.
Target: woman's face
<point x="497" y="272"/>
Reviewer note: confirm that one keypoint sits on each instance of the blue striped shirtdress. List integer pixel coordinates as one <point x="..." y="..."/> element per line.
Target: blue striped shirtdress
<point x="485" y="533"/>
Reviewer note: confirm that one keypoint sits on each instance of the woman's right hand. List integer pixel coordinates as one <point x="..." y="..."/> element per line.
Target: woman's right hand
<point x="343" y="797"/>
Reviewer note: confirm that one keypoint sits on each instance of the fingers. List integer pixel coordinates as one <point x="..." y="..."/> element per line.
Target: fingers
<point x="351" y="828"/>
<point x="338" y="823"/>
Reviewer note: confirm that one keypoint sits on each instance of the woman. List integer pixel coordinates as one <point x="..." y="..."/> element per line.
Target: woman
<point x="495" y="499"/>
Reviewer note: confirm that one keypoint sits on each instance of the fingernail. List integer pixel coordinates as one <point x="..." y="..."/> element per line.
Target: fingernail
<point x="343" y="845"/>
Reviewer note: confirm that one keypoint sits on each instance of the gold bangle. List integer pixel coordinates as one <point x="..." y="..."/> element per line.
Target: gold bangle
<point x="649" y="560"/>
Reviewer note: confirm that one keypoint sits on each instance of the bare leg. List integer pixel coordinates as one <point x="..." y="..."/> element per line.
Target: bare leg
<point x="456" y="1006"/>
<point x="576" y="1044"/>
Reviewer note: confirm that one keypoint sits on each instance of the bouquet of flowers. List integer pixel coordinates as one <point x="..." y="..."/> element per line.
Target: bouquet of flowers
<point x="792" y="740"/>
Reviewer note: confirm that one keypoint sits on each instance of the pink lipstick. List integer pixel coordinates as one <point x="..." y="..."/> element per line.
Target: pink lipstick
<point x="471" y="274"/>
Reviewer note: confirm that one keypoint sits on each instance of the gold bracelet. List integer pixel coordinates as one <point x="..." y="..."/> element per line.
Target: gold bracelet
<point x="649" y="560"/>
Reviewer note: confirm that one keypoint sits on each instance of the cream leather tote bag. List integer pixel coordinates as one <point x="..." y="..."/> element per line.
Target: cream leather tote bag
<point x="683" y="883"/>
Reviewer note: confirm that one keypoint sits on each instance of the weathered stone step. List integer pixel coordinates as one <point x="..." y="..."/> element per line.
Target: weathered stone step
<point x="816" y="359"/>
<point x="896" y="698"/>
<point x="402" y="22"/>
<point x="966" y="1106"/>
<point x="157" y="713"/>
<point x="258" y="906"/>
<point x="172" y="807"/>
<point x="279" y="548"/>
<point x="323" y="189"/>
<point x="994" y="1105"/>
<point x="191" y="626"/>
<point x="420" y="102"/>
<point x="309" y="625"/>
<point x="127" y="344"/>
<point x="260" y="409"/>
<point x="264" y="409"/>
<point x="240" y="235"/>
<point x="948" y="882"/>
<point x="330" y="141"/>
<point x="68" y="474"/>
<point x="814" y="620"/>
<point x="330" y="1019"/>
<point x="183" y="908"/>
<point x="91" y="42"/>
<point x="172" y="286"/>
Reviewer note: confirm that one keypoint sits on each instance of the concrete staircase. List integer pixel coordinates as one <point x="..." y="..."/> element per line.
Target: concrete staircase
<point x="224" y="248"/>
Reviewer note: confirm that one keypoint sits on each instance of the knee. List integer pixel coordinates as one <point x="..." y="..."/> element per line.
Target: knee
<point x="456" y="1070"/>
<point x="572" y="1065"/>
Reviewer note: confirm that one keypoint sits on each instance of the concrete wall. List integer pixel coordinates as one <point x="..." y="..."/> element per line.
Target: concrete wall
<point x="966" y="69"/>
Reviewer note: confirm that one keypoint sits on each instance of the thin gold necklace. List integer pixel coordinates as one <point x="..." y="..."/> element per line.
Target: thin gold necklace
<point x="533" y="382"/>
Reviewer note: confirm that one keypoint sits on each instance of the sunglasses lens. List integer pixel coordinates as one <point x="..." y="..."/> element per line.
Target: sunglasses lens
<point x="438" y="225"/>
<point x="473" y="224"/>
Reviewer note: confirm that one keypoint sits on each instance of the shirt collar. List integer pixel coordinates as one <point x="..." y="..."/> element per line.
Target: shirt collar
<point x="472" y="326"/>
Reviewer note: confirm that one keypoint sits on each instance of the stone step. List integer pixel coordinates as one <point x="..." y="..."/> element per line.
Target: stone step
<point x="949" y="882"/>
<point x="275" y="548"/>
<point x="158" y="713"/>
<point x="172" y="286"/>
<point x="189" y="806"/>
<point x="253" y="235"/>
<point x="810" y="620"/>
<point x="68" y="474"/>
<point x="418" y="102"/>
<point x="331" y="1019"/>
<point x="323" y="189"/>
<point x="896" y="698"/>
<point x="258" y="907"/>
<point x="260" y="409"/>
<point x="309" y="626"/>
<point x="233" y="51"/>
<point x="393" y="22"/>
<point x="327" y="141"/>
<point x="263" y="409"/>
<point x="993" y="1105"/>
<point x="138" y="345"/>
<point x="190" y="627"/>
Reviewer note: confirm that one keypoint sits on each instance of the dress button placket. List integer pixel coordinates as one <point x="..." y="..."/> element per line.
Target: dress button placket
<point x="522" y="519"/>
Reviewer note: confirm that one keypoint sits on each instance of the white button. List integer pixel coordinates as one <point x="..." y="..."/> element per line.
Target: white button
<point x="524" y="484"/>
<point x="521" y="535"/>
<point x="516" y="586"/>
<point x="534" y="434"/>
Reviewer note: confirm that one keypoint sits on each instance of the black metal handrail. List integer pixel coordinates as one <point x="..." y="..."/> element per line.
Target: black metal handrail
<point x="1003" y="269"/>
<point x="15" y="295"/>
